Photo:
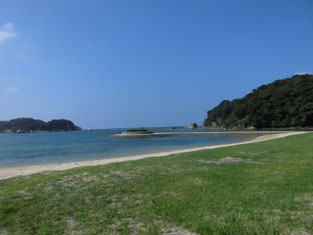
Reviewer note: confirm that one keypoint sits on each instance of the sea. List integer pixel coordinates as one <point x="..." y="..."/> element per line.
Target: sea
<point x="58" y="147"/>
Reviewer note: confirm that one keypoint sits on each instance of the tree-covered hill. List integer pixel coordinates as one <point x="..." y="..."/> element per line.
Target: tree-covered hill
<point x="282" y="104"/>
<point x="21" y="125"/>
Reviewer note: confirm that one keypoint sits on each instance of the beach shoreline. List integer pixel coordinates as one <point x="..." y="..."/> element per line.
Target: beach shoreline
<point x="10" y="172"/>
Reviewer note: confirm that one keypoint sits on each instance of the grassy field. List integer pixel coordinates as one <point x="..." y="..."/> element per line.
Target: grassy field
<point x="270" y="193"/>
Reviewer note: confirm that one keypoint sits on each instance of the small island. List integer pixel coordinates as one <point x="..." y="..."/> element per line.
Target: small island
<point x="136" y="131"/>
<point x="30" y="125"/>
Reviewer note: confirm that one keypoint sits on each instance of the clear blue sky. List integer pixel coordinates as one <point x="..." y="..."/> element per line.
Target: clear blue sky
<point x="117" y="63"/>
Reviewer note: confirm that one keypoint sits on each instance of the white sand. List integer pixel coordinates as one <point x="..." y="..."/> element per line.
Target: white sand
<point x="6" y="173"/>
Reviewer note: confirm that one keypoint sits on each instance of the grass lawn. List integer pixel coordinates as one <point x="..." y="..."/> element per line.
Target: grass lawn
<point x="270" y="194"/>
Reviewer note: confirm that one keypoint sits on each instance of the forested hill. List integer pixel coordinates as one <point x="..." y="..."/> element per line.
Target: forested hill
<point x="284" y="103"/>
<point x="21" y="125"/>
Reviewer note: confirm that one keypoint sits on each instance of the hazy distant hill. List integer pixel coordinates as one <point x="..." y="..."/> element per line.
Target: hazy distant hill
<point x="21" y="125"/>
<point x="282" y="104"/>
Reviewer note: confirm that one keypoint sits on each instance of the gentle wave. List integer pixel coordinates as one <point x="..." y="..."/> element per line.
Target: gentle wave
<point x="54" y="147"/>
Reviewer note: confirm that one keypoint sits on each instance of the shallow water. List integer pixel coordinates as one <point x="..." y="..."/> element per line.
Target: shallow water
<point x="54" y="147"/>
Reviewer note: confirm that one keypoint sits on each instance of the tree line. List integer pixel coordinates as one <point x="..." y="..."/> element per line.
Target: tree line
<point x="281" y="104"/>
<point x="30" y="124"/>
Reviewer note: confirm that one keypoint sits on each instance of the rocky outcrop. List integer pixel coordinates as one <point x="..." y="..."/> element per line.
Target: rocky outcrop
<point x="192" y="126"/>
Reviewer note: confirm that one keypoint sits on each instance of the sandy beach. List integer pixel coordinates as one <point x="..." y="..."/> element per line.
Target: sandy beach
<point x="6" y="173"/>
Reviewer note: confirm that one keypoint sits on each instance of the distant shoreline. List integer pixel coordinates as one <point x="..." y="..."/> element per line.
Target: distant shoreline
<point x="30" y="125"/>
<point x="10" y="172"/>
<point x="205" y="128"/>
<point x="195" y="133"/>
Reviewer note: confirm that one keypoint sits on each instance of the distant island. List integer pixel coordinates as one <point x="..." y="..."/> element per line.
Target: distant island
<point x="25" y="125"/>
<point x="285" y="103"/>
<point x="137" y="131"/>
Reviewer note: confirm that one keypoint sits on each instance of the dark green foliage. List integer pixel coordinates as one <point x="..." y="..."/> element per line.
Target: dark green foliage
<point x="281" y="104"/>
<point x="28" y="124"/>
<point x="61" y="125"/>
<point x="25" y="124"/>
<point x="219" y="113"/>
<point x="136" y="130"/>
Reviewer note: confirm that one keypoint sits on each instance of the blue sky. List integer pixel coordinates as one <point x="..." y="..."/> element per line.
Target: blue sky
<point x="106" y="64"/>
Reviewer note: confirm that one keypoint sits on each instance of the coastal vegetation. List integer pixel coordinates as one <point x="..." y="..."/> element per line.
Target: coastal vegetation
<point x="22" y="125"/>
<point x="284" y="103"/>
<point x="260" y="188"/>
<point x="137" y="130"/>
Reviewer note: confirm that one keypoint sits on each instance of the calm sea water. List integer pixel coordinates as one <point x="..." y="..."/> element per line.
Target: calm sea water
<point x="40" y="148"/>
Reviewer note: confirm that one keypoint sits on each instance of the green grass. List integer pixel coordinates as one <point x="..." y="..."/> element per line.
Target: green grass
<point x="181" y="192"/>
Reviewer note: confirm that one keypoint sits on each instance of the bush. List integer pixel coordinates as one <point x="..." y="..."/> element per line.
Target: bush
<point x="136" y="130"/>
